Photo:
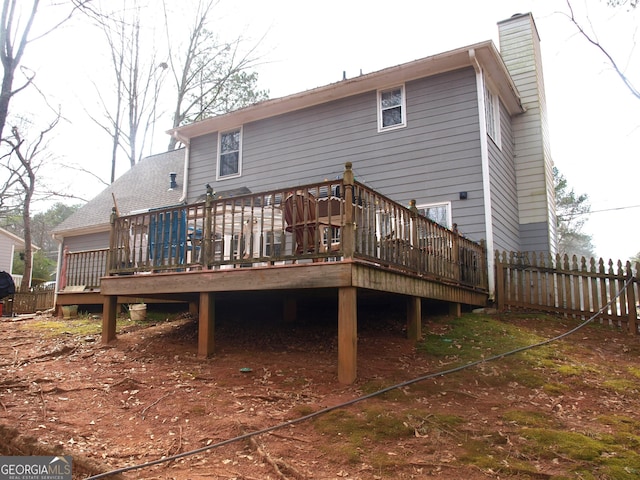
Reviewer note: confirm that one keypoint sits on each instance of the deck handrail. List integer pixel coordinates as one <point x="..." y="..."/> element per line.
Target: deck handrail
<point x="83" y="268"/>
<point x="331" y="220"/>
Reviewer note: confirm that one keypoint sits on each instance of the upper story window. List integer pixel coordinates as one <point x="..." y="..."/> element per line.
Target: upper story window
<point x="230" y="153"/>
<point x="391" y="108"/>
<point x="492" y="115"/>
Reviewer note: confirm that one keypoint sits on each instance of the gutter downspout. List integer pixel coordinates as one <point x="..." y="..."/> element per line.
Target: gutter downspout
<point x="486" y="178"/>
<point x="185" y="173"/>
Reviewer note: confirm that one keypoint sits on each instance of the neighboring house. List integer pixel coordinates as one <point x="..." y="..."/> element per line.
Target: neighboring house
<point x="9" y="244"/>
<point x="464" y="133"/>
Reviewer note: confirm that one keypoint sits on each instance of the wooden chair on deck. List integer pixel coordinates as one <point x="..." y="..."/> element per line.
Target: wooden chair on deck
<point x="300" y="216"/>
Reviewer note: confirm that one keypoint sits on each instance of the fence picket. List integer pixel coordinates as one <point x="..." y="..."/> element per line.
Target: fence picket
<point x="572" y="287"/>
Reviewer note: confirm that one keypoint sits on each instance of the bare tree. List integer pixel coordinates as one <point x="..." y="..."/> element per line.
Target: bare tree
<point x="137" y="80"/>
<point x="16" y="23"/>
<point x="591" y="38"/>
<point x="23" y="161"/>
<point x="211" y="76"/>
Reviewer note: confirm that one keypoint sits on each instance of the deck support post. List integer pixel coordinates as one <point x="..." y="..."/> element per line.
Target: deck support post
<point x="347" y="334"/>
<point x="414" y="318"/>
<point x="455" y="310"/>
<point x="289" y="309"/>
<point x="109" y="314"/>
<point x="206" y="323"/>
<point x="193" y="308"/>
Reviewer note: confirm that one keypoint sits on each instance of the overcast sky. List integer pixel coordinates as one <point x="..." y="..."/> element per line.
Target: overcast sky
<point x="594" y="120"/>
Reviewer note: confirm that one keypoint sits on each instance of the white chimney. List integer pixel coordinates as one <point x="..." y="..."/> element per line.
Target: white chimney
<point x="520" y="49"/>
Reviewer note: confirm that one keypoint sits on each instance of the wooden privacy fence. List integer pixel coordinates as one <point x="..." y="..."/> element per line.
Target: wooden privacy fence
<point x="29" y="302"/>
<point x="561" y="285"/>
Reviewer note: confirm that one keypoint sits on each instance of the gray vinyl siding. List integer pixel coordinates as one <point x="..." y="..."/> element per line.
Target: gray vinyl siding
<point x="431" y="160"/>
<point x="504" y="195"/>
<point x="92" y="241"/>
<point x="534" y="237"/>
<point x="7" y="245"/>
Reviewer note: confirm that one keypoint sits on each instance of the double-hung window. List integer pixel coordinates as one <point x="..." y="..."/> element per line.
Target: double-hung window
<point x="229" y="153"/>
<point x="391" y="109"/>
<point x="492" y="115"/>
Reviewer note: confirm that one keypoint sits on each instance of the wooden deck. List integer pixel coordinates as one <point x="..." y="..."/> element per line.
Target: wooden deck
<point x="337" y="235"/>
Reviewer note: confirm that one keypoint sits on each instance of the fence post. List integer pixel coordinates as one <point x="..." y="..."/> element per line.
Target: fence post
<point x="631" y="301"/>
<point x="499" y="294"/>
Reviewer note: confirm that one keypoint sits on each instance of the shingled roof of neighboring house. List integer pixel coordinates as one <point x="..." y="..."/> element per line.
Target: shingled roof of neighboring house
<point x="144" y="186"/>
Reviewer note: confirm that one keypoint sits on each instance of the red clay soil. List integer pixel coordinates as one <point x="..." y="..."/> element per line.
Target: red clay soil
<point x="146" y="396"/>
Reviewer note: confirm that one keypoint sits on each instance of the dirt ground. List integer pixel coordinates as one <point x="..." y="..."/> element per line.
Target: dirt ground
<point x="146" y="396"/>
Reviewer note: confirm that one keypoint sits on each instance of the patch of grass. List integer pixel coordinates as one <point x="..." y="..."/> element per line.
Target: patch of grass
<point x="55" y="327"/>
<point x="611" y="456"/>
<point x="555" y="389"/>
<point x="621" y="385"/>
<point x="474" y="337"/>
<point x="530" y="419"/>
<point x="428" y="424"/>
<point x="87" y="324"/>
<point x="480" y="454"/>
<point x="350" y="432"/>
<point x="635" y="371"/>
<point x="622" y="423"/>
<point x="549" y="443"/>
<point x="574" y="370"/>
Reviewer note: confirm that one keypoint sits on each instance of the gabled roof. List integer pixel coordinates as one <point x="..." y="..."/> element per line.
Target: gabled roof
<point x="487" y="56"/>
<point x="14" y="238"/>
<point x="144" y="186"/>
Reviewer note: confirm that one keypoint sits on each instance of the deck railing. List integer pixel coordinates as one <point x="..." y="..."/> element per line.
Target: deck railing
<point x="83" y="268"/>
<point x="325" y="221"/>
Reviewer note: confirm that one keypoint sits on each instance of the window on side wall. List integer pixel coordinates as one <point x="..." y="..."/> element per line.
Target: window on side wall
<point x="391" y="109"/>
<point x="438" y="212"/>
<point x="230" y="153"/>
<point x="492" y="115"/>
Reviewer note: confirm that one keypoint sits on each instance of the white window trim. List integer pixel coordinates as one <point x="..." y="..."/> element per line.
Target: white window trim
<point x="492" y="101"/>
<point x="438" y="204"/>
<point x="403" y="106"/>
<point x="218" y="164"/>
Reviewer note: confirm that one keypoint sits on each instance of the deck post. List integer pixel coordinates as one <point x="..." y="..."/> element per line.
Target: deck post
<point x="415" y="246"/>
<point x="414" y="318"/>
<point x="63" y="271"/>
<point x="193" y="308"/>
<point x="109" y="313"/>
<point x="207" y="243"/>
<point x="289" y="309"/>
<point x="455" y="309"/>
<point x="347" y="334"/>
<point x="112" y="258"/>
<point x="349" y="228"/>
<point x="206" y="323"/>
